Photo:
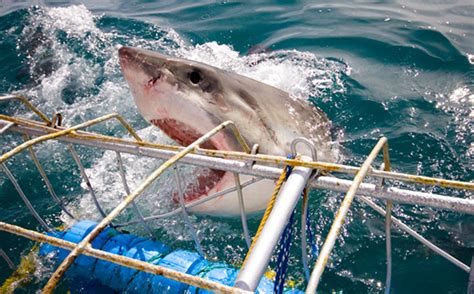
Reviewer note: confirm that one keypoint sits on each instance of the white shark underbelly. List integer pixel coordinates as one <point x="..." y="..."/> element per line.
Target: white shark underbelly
<point x="255" y="196"/>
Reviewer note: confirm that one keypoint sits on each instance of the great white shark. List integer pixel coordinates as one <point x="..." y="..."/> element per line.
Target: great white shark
<point x="186" y="99"/>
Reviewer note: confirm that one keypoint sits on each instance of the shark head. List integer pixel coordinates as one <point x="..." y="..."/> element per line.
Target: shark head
<point x="183" y="98"/>
<point x="186" y="99"/>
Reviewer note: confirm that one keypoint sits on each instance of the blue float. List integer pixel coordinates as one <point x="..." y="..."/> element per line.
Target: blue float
<point x="92" y="274"/>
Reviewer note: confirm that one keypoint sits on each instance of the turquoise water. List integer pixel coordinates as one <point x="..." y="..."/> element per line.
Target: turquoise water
<point x="404" y="70"/>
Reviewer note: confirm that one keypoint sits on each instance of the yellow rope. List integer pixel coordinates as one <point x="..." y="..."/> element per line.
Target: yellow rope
<point x="269" y="208"/>
<point x="23" y="274"/>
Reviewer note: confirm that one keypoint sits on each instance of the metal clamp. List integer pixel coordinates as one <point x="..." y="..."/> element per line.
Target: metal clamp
<point x="57" y="120"/>
<point x="314" y="154"/>
<point x="253" y="151"/>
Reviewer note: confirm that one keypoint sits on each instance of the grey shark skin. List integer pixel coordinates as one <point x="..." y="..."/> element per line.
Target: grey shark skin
<point x="186" y="99"/>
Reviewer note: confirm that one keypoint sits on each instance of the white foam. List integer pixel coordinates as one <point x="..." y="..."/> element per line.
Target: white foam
<point x="470" y="58"/>
<point x="302" y="74"/>
<point x="75" y="20"/>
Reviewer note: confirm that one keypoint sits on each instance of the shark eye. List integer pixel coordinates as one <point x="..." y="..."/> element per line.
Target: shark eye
<point x="195" y="77"/>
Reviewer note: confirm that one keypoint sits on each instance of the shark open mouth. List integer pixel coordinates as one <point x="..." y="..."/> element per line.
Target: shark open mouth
<point x="185" y="135"/>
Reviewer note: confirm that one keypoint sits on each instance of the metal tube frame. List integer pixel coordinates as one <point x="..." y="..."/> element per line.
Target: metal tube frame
<point x="339" y="219"/>
<point x="190" y="205"/>
<point x="24" y="198"/>
<point x="402" y="226"/>
<point x="84" y="176"/>
<point x="224" y="159"/>
<point x="67" y="262"/>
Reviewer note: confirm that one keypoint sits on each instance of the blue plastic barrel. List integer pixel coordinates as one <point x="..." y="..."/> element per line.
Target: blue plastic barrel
<point x="92" y="274"/>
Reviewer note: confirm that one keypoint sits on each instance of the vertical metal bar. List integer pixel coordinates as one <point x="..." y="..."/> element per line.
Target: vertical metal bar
<point x="388" y="245"/>
<point x="127" y="191"/>
<point x="24" y="198"/>
<point x="243" y="215"/>
<point x="304" y="244"/>
<point x="257" y="262"/>
<point x="86" y="179"/>
<point x="7" y="259"/>
<point x="388" y="226"/>
<point x="49" y="186"/>
<point x="339" y="219"/>
<point x="187" y="221"/>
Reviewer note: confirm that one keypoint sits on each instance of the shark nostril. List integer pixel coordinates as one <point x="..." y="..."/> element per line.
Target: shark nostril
<point x="153" y="80"/>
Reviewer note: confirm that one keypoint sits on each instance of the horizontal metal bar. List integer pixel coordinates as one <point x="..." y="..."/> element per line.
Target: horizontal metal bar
<point x="399" y="195"/>
<point x="260" y="158"/>
<point x="122" y="260"/>
<point x="330" y="183"/>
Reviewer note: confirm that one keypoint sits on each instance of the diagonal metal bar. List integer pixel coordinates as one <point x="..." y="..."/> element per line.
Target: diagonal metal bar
<point x="416" y="235"/>
<point x="51" y="284"/>
<point x="23" y="197"/>
<point x="49" y="186"/>
<point x="82" y="170"/>
<point x="339" y="219"/>
<point x="184" y="212"/>
<point x="7" y="259"/>
<point x="127" y="191"/>
<point x="6" y="127"/>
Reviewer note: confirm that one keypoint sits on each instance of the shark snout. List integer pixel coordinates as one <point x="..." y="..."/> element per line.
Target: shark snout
<point x="141" y="56"/>
<point x="127" y="55"/>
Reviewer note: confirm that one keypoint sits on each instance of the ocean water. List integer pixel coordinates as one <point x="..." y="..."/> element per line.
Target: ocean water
<point x="402" y="69"/>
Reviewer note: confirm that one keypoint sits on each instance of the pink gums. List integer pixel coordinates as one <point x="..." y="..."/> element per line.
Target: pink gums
<point x="185" y="135"/>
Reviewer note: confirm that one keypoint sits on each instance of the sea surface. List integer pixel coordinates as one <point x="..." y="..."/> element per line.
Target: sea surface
<point x="400" y="69"/>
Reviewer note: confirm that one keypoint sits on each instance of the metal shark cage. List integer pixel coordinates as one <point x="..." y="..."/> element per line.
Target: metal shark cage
<point x="307" y="172"/>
